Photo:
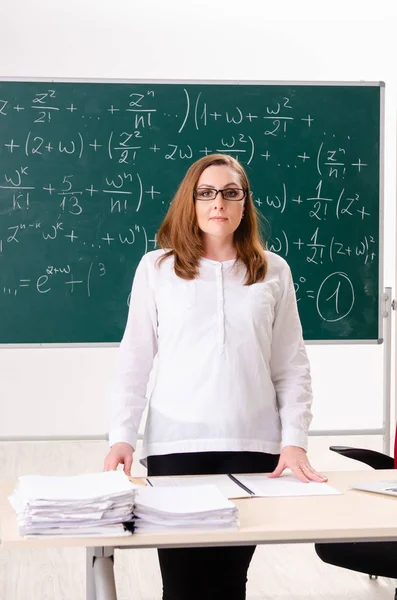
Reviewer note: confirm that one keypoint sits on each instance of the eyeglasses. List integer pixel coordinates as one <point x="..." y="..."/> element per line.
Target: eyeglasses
<point x="208" y="194"/>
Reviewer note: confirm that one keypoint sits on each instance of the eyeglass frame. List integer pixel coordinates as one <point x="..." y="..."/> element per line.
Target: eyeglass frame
<point x="217" y="192"/>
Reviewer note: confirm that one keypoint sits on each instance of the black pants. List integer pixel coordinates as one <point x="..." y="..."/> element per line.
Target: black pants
<point x="207" y="573"/>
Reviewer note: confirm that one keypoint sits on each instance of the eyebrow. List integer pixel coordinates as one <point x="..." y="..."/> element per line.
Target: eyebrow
<point x="208" y="185"/>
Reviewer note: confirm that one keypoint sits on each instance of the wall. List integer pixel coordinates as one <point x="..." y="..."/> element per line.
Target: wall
<point x="63" y="391"/>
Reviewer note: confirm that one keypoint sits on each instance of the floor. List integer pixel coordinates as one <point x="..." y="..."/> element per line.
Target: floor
<point x="277" y="572"/>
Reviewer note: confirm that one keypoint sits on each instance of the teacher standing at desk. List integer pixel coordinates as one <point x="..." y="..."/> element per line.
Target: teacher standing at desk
<point x="233" y="383"/>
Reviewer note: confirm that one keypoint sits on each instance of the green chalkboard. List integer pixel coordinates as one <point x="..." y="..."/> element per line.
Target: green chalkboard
<point x="87" y="171"/>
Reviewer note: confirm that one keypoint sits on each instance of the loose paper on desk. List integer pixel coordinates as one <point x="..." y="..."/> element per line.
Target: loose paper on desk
<point x="258" y="485"/>
<point x="227" y="486"/>
<point x="286" y="485"/>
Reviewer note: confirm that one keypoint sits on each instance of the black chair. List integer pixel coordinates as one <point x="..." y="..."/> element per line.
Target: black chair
<point x="374" y="558"/>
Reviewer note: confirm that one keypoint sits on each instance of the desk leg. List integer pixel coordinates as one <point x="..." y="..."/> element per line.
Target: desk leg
<point x="100" y="584"/>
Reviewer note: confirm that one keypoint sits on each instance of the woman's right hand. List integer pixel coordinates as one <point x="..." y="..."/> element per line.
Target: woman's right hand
<point x="120" y="453"/>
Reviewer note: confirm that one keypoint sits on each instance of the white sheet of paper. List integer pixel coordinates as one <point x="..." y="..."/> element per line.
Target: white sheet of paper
<point x="179" y="501"/>
<point x="227" y="486"/>
<point x="88" y="532"/>
<point x="286" y="485"/>
<point x="77" y="487"/>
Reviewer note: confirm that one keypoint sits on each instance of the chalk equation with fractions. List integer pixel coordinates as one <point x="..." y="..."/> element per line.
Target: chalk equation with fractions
<point x="88" y="171"/>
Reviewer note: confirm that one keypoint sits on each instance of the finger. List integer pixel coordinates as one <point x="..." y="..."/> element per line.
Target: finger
<point x="313" y="475"/>
<point x="307" y="466"/>
<point x="127" y="465"/>
<point x="111" y="464"/>
<point x="106" y="466"/>
<point x="298" y="472"/>
<point x="278" y="470"/>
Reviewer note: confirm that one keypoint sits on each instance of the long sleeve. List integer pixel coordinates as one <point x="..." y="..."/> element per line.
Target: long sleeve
<point x="135" y="360"/>
<point x="290" y="369"/>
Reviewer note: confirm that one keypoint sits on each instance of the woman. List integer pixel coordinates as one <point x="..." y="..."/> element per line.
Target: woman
<point x="233" y="382"/>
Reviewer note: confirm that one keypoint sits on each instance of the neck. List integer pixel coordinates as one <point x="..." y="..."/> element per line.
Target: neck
<point x="219" y="249"/>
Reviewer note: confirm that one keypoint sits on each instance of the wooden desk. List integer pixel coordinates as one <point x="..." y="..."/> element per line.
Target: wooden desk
<point x="352" y="516"/>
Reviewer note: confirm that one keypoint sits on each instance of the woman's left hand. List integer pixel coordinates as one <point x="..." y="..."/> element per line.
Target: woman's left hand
<point x="295" y="458"/>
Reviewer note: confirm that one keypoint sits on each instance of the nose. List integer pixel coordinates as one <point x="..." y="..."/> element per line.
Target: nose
<point x="219" y="202"/>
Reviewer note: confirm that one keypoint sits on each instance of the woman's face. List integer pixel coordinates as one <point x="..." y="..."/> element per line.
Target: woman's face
<point x="219" y="217"/>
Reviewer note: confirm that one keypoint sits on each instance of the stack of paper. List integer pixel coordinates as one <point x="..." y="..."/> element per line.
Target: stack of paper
<point x="184" y="508"/>
<point x="83" y="505"/>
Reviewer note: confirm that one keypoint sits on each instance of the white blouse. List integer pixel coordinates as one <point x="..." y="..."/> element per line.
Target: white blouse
<point x="233" y="373"/>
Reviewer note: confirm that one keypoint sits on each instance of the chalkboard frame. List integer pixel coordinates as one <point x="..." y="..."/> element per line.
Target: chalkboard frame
<point x="380" y="84"/>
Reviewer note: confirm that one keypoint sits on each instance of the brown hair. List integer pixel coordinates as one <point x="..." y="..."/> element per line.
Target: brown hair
<point x="180" y="231"/>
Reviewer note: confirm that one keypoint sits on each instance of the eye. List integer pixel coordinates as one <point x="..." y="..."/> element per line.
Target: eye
<point x="231" y="194"/>
<point x="204" y="193"/>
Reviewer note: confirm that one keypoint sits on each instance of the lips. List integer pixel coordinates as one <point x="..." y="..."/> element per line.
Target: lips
<point x="218" y="219"/>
